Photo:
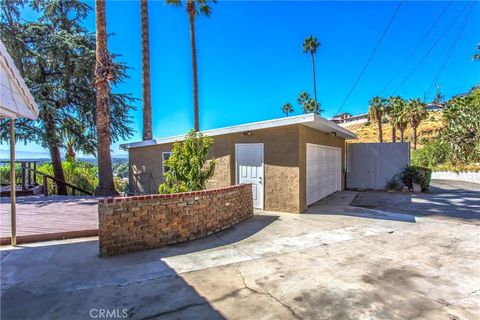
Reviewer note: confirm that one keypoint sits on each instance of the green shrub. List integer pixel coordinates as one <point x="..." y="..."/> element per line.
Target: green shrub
<point x="188" y="166"/>
<point x="393" y="183"/>
<point x="5" y="174"/>
<point x="81" y="174"/>
<point x="416" y="175"/>
<point x="432" y="153"/>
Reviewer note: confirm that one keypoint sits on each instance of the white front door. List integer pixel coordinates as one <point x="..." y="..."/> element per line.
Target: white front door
<point x="323" y="171"/>
<point x="249" y="169"/>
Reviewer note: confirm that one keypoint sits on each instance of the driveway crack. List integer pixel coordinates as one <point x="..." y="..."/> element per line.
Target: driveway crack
<point x="266" y="293"/>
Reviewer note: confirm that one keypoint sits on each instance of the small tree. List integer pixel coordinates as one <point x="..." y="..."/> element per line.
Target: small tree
<point x="188" y="166"/>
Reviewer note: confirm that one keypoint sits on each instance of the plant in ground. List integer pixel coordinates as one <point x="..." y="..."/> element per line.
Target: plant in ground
<point x="188" y="167"/>
<point x="432" y="153"/>
<point x="411" y="175"/>
<point x="394" y="183"/>
<point x="461" y="120"/>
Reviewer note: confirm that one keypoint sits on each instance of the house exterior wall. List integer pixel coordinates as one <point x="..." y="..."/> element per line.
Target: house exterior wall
<point x="309" y="135"/>
<point x="284" y="164"/>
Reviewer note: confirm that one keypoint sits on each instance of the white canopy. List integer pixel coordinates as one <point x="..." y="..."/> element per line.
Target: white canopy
<point x="16" y="101"/>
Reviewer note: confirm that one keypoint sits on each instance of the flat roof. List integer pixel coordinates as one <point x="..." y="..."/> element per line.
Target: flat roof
<point x="310" y="120"/>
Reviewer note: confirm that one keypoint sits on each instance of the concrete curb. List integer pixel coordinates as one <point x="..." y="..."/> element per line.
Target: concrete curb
<point x="4" y="241"/>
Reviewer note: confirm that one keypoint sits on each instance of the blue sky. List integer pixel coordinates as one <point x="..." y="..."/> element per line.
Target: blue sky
<point x="250" y="59"/>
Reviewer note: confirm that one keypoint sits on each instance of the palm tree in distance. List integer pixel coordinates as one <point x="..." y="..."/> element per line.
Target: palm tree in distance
<point x="391" y="107"/>
<point x="476" y="56"/>
<point x="146" y="93"/>
<point x="399" y="117"/>
<point x="376" y="111"/>
<point x="103" y="75"/>
<point x="310" y="45"/>
<point x="416" y="113"/>
<point x="194" y="7"/>
<point x="307" y="104"/>
<point x="287" y="108"/>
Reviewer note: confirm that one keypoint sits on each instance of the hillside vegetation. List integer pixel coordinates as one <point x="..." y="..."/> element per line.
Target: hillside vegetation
<point x="427" y="131"/>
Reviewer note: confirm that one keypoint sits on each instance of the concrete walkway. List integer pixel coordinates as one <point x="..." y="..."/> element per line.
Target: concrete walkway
<point x="41" y="218"/>
<point x="334" y="262"/>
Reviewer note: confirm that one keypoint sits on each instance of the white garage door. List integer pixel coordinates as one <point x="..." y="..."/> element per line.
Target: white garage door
<point x="323" y="171"/>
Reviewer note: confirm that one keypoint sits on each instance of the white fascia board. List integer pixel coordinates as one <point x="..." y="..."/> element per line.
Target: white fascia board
<point x="310" y="120"/>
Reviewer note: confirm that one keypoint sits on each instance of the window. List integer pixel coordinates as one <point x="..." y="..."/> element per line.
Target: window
<point x="165" y="156"/>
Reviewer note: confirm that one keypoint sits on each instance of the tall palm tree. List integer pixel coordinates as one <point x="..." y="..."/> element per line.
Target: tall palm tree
<point x="194" y="7"/>
<point x="103" y="75"/>
<point x="399" y="117"/>
<point x="146" y="92"/>
<point x="392" y="105"/>
<point x="310" y="45"/>
<point x="287" y="108"/>
<point x="416" y="113"/>
<point x="376" y="111"/>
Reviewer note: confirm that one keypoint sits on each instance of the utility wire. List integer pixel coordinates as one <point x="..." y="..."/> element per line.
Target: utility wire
<point x="419" y="44"/>
<point x="371" y="56"/>
<point x="450" y="51"/>
<point x="431" y="49"/>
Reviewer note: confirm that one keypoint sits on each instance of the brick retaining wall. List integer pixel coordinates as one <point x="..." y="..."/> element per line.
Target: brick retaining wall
<point x="128" y="224"/>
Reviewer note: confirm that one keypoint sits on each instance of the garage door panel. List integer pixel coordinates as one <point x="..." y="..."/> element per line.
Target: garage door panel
<point x="323" y="171"/>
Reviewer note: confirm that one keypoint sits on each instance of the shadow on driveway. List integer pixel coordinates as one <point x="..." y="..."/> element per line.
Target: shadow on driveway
<point x="446" y="199"/>
<point x="69" y="280"/>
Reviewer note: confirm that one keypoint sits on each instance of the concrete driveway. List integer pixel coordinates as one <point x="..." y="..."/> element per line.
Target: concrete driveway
<point x="334" y="262"/>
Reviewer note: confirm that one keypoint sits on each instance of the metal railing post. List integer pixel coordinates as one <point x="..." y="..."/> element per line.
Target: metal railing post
<point x="29" y="179"/>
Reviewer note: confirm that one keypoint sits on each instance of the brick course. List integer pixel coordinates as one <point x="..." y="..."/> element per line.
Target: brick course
<point x="128" y="224"/>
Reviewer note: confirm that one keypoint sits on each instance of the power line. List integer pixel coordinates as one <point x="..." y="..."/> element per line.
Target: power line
<point x="371" y="56"/>
<point x="450" y="51"/>
<point x="419" y="44"/>
<point x="430" y="50"/>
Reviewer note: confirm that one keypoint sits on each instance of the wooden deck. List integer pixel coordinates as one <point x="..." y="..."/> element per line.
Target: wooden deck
<point x="41" y="218"/>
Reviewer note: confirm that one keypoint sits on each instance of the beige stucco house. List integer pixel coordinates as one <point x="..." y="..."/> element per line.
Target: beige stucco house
<point x="291" y="162"/>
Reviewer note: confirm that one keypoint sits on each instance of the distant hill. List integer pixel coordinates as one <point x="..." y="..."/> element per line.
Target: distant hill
<point x="428" y="129"/>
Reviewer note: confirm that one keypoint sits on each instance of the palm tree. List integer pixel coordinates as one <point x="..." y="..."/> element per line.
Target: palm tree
<point x="376" y="110"/>
<point x="146" y="93"/>
<point x="307" y="103"/>
<point x="416" y="113"/>
<point x="103" y="75"/>
<point x="310" y="45"/>
<point x="287" y="108"/>
<point x="194" y="7"/>
<point x="399" y="117"/>
<point x="476" y="56"/>
<point x="392" y="105"/>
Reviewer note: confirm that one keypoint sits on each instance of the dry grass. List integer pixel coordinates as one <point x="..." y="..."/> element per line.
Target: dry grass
<point x="428" y="130"/>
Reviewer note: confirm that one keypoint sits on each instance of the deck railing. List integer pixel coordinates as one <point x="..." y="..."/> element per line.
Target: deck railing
<point x="28" y="178"/>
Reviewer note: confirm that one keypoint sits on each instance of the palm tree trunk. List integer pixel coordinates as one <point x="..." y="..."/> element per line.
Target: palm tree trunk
<point x="103" y="75"/>
<point x="146" y="91"/>
<point x="191" y="14"/>
<point x="402" y="135"/>
<point x="414" y="137"/>
<point x="380" y="132"/>
<point x="314" y="85"/>
<point x="394" y="134"/>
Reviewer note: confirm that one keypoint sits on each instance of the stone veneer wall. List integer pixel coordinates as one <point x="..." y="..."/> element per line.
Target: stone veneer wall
<point x="128" y="224"/>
